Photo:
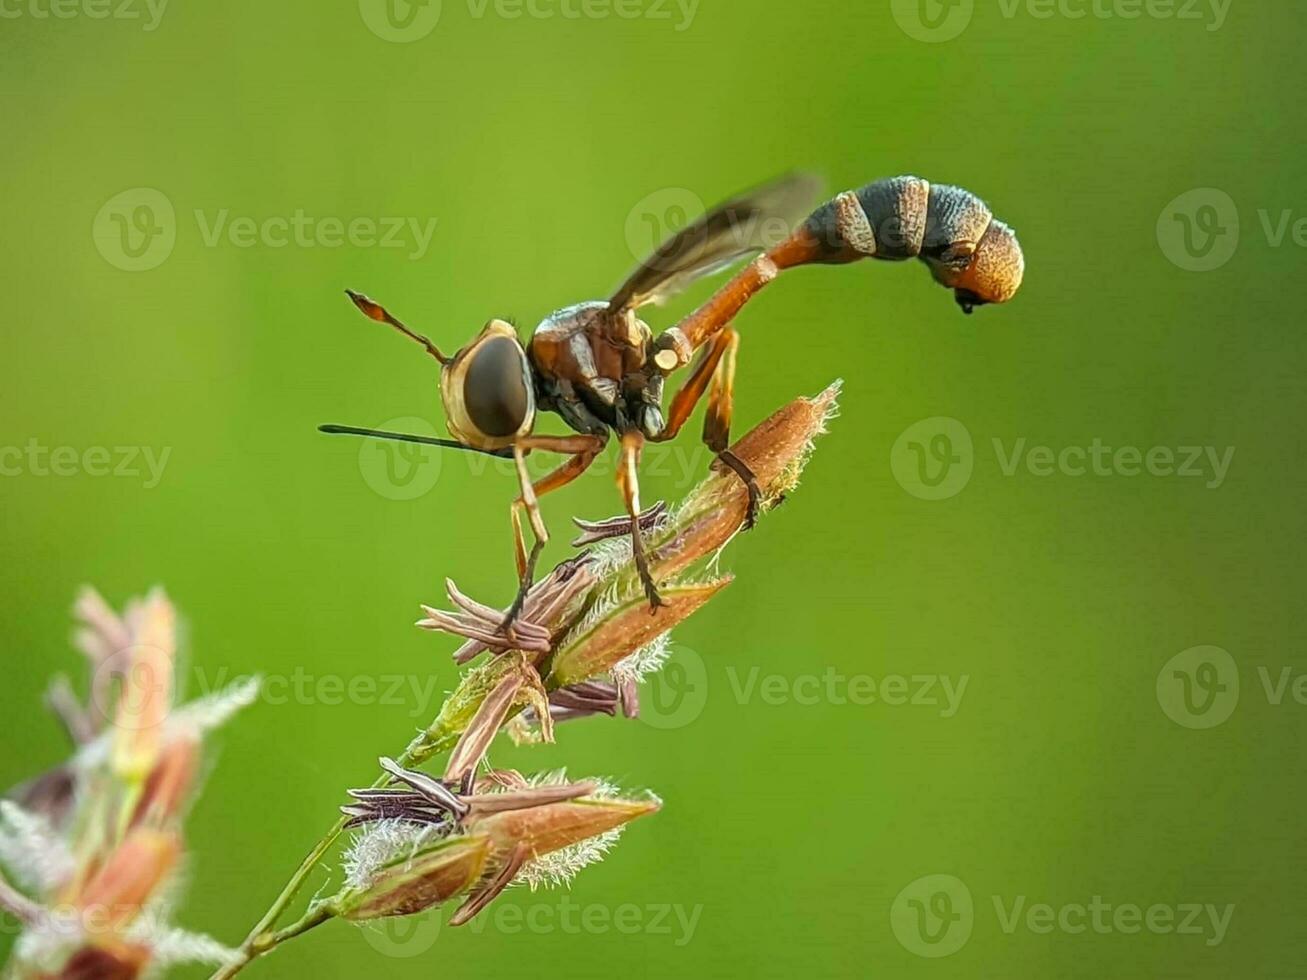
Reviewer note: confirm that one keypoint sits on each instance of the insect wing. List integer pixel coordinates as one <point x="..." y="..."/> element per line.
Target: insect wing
<point x="744" y="226"/>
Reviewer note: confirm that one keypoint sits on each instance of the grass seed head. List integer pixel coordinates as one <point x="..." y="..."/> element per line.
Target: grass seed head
<point x="414" y="882"/>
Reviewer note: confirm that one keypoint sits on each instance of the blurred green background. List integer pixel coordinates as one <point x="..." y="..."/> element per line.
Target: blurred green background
<point x="549" y="151"/>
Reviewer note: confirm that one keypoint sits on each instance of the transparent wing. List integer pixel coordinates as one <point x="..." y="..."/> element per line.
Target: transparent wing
<point x="750" y="223"/>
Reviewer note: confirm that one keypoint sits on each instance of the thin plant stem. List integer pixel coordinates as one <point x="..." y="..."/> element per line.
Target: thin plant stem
<point x="261" y="939"/>
<point x="311" y="919"/>
<point x="775" y="451"/>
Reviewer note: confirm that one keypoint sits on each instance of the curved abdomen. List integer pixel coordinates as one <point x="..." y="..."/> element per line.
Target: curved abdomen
<point x="949" y="228"/>
<point x="897" y="218"/>
<point x="968" y="250"/>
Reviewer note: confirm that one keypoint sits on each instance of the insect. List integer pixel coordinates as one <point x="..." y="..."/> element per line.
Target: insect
<point x="601" y="368"/>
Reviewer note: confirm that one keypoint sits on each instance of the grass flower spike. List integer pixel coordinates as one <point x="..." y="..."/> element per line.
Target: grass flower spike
<point x="102" y="835"/>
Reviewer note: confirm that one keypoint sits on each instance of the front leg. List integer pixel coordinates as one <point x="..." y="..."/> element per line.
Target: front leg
<point x="628" y="481"/>
<point x="584" y="450"/>
<point x="526" y="564"/>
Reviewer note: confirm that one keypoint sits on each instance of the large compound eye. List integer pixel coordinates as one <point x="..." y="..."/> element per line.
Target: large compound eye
<point x="495" y="389"/>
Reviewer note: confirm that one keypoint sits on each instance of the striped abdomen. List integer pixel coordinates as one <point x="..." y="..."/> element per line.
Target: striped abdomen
<point x="950" y="229"/>
<point x="968" y="250"/>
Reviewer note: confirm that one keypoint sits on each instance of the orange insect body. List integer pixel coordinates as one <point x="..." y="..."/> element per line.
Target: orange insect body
<point x="601" y="368"/>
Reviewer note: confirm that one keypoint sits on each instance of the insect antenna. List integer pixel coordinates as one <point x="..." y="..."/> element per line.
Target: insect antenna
<point x="375" y="311"/>
<point x="353" y="430"/>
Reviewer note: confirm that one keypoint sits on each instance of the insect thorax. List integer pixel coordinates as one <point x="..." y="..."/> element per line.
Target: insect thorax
<point x="591" y="368"/>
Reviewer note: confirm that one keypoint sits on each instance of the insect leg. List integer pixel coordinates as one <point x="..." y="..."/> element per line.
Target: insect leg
<point x="717" y="421"/>
<point x="487" y="892"/>
<point x="721" y="394"/>
<point x="685" y="400"/>
<point x="715" y="374"/>
<point x="676" y="345"/>
<point x="526" y="564"/>
<point x="628" y="481"/>
<point x="583" y="449"/>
